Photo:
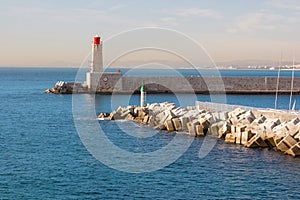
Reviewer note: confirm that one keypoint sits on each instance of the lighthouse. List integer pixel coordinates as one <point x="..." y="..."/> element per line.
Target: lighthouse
<point x="97" y="60"/>
<point x="97" y="79"/>
<point x="96" y="65"/>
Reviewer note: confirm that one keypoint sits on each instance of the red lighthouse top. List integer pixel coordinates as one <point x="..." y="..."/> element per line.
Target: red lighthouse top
<point x="97" y="39"/>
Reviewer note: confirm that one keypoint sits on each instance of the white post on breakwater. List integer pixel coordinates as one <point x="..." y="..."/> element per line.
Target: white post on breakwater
<point x="277" y="85"/>
<point x="143" y="94"/>
<point x="292" y="84"/>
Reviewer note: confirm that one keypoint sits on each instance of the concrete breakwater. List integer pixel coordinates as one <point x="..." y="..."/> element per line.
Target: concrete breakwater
<point x="250" y="128"/>
<point x="67" y="88"/>
<point x="116" y="83"/>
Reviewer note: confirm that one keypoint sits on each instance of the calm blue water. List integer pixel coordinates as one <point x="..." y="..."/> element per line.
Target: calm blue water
<point x="42" y="156"/>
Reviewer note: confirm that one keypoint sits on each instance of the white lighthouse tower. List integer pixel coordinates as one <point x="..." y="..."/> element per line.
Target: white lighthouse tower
<point x="97" y="61"/>
<point x="96" y="68"/>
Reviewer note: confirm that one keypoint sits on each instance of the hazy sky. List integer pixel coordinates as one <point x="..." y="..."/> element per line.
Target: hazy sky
<point x="50" y="33"/>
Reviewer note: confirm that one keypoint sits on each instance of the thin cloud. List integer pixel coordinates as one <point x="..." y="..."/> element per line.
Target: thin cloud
<point x="193" y="12"/>
<point x="175" y="17"/>
<point x="285" y="4"/>
<point x="170" y="20"/>
<point x="25" y="10"/>
<point x="256" y="21"/>
<point x="117" y="7"/>
<point x="188" y="12"/>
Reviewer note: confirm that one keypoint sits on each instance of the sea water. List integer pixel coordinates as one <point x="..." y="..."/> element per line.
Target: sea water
<point x="42" y="156"/>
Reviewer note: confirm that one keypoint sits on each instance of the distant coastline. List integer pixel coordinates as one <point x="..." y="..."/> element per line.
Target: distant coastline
<point x="154" y="68"/>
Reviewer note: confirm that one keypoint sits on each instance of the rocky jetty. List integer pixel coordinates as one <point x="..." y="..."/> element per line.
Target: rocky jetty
<point x="67" y="88"/>
<point x="238" y="126"/>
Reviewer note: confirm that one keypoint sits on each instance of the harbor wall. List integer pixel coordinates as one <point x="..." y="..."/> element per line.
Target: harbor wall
<point x="116" y="83"/>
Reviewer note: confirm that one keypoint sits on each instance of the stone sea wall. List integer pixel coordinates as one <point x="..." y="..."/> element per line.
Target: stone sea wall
<point x="109" y="83"/>
<point x="242" y="126"/>
<point x="240" y="85"/>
